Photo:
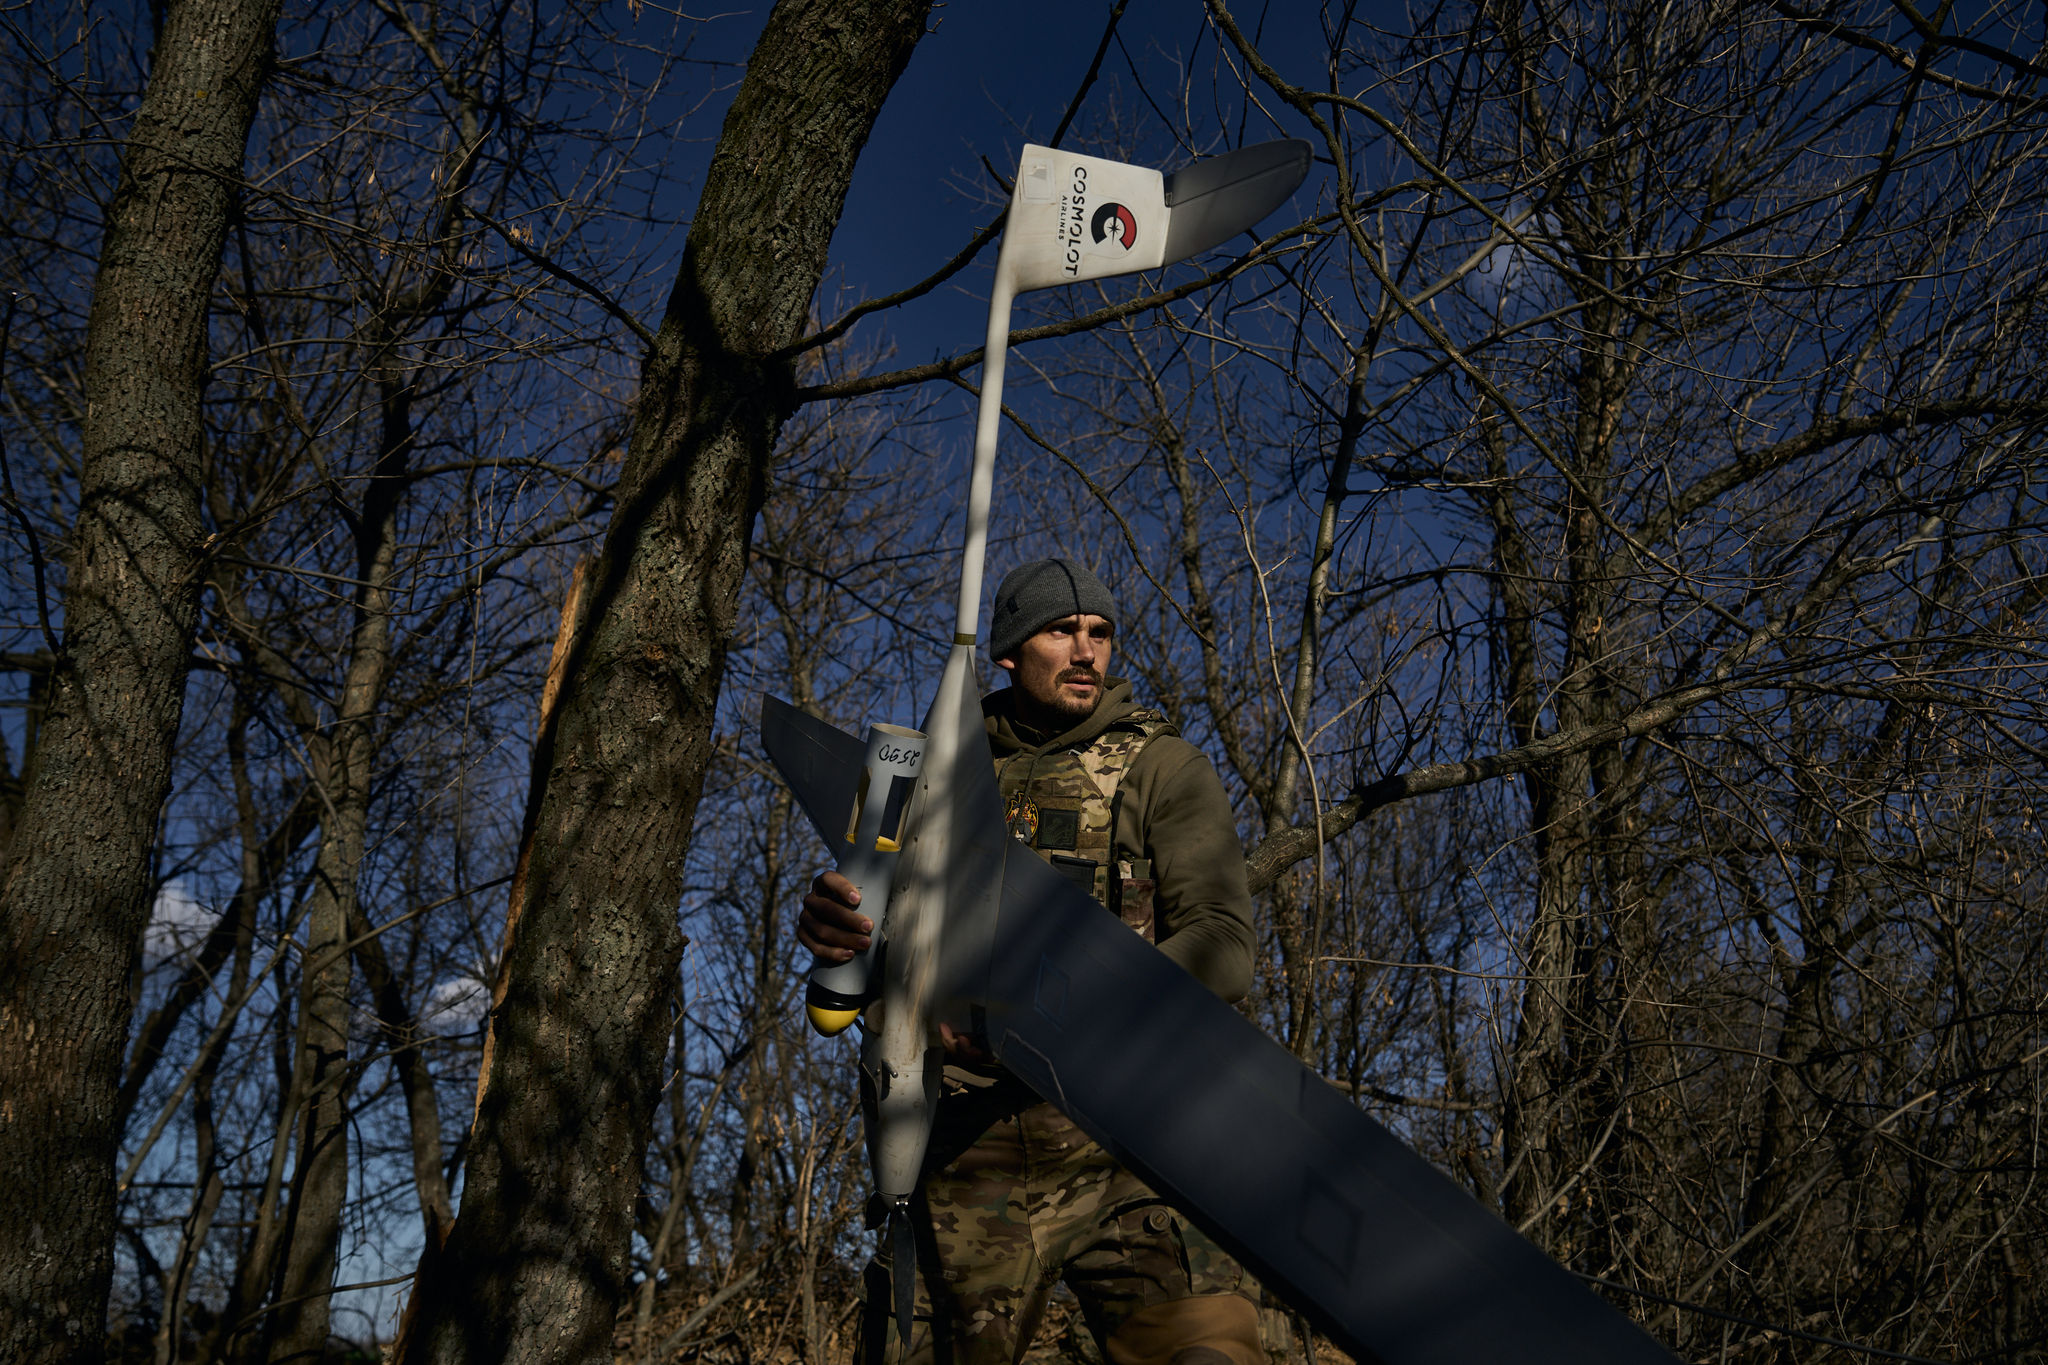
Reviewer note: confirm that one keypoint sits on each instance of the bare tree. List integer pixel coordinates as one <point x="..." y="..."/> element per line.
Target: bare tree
<point x="537" y="1263"/>
<point x="77" y="895"/>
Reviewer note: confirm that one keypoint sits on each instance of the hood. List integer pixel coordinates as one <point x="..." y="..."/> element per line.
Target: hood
<point x="1007" y="735"/>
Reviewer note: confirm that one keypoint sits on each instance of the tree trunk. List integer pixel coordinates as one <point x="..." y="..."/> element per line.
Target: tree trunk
<point x="171" y="1328"/>
<point x="297" y="1330"/>
<point x="403" y="1035"/>
<point x="76" y="895"/>
<point x="537" y="1264"/>
<point x="320" y="1180"/>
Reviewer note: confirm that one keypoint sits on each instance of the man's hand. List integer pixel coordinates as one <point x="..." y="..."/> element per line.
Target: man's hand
<point x="960" y="1046"/>
<point x="831" y="926"/>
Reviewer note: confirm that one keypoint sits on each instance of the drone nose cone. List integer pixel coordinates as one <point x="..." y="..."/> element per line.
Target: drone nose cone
<point x="830" y="1022"/>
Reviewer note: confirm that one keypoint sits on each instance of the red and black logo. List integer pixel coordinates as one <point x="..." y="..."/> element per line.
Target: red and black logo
<point x="1114" y="221"/>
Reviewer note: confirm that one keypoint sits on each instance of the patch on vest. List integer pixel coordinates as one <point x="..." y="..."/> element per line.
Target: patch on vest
<point x="1022" y="818"/>
<point x="1059" y="829"/>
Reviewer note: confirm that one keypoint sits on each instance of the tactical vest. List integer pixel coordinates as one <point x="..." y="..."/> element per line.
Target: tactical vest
<point x="1064" y="805"/>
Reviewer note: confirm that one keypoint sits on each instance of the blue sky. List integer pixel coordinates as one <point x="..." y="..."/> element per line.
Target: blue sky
<point x="986" y="79"/>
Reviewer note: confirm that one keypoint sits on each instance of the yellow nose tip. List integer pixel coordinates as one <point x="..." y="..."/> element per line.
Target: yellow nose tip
<point x="830" y="1022"/>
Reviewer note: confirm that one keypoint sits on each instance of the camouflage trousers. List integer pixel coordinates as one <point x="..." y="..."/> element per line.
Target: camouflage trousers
<point x="1017" y="1198"/>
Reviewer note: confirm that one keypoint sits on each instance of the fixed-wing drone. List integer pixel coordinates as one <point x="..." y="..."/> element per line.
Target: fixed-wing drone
<point x="1379" y="1249"/>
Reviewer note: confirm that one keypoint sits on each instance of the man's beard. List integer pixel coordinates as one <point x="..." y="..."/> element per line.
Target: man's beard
<point x="1075" y="708"/>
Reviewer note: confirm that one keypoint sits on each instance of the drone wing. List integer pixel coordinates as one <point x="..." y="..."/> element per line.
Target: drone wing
<point x="821" y="763"/>
<point x="1383" y="1251"/>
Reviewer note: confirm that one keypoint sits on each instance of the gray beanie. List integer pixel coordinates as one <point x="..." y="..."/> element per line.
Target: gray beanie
<point x="1041" y="591"/>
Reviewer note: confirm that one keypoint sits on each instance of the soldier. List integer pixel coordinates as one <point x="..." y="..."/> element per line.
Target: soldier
<point x="1015" y="1197"/>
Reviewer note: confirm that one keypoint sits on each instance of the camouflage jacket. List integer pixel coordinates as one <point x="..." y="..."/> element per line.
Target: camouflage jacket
<point x="1137" y="817"/>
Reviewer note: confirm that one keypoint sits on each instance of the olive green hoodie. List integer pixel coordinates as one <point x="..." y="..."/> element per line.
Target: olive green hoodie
<point x="1174" y="813"/>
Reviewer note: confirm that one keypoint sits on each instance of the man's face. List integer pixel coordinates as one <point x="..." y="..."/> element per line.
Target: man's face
<point x="1058" y="672"/>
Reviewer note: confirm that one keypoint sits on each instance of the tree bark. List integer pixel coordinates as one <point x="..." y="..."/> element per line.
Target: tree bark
<point x="404" y="1035"/>
<point x="76" y="895"/>
<point x="320" y="1180"/>
<point x="537" y="1263"/>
